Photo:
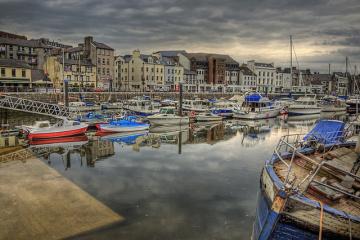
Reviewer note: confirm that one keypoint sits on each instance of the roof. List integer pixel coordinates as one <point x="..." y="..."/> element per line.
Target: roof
<point x="146" y="57"/>
<point x="246" y="71"/>
<point x="74" y="49"/>
<point x="205" y="56"/>
<point x="13" y="63"/>
<point x="83" y="62"/>
<point x="168" y="61"/>
<point x="323" y="77"/>
<point x="269" y="65"/>
<point x="23" y="42"/>
<point x="102" y="45"/>
<point x="171" y="53"/>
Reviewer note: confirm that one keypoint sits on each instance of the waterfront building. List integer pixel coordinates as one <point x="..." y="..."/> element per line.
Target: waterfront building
<point x="190" y="82"/>
<point x="11" y="35"/>
<point x="283" y="80"/>
<point x="179" y="56"/>
<point x="100" y="55"/>
<point x="342" y="83"/>
<point x="139" y="72"/>
<point x="14" y="74"/>
<point x="210" y="69"/>
<point x="327" y="81"/>
<point x="81" y="74"/>
<point x="247" y="79"/>
<point x="173" y="73"/>
<point x="266" y="74"/>
<point x="33" y="52"/>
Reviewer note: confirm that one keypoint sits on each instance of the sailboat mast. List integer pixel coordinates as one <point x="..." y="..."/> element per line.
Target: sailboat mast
<point x="291" y="73"/>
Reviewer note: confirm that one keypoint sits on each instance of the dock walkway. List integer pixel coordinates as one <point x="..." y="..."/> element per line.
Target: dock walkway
<point x="39" y="203"/>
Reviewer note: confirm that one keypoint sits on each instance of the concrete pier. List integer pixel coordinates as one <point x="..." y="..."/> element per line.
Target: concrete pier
<point x="39" y="203"/>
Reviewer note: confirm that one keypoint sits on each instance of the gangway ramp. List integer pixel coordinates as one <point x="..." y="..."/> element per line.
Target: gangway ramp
<point x="31" y="106"/>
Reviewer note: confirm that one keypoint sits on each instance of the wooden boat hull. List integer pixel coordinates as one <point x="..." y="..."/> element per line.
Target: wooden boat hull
<point x="299" y="216"/>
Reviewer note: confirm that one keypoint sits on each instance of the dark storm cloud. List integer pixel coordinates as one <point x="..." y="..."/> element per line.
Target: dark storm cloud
<point x="326" y="29"/>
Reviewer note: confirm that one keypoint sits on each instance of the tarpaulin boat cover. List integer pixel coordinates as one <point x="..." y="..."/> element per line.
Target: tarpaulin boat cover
<point x="327" y="132"/>
<point x="253" y="97"/>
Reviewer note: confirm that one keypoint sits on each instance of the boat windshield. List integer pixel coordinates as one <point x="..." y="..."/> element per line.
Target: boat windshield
<point x="167" y="111"/>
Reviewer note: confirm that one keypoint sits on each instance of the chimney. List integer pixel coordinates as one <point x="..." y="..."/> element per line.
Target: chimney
<point x="88" y="41"/>
<point x="136" y="53"/>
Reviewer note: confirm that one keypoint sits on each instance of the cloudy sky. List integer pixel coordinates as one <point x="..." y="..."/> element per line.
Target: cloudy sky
<point x="324" y="31"/>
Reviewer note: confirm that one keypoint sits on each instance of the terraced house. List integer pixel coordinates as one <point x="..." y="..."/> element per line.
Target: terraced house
<point x="99" y="55"/>
<point x="81" y="73"/>
<point x="33" y="52"/>
<point x="14" y="75"/>
<point x="139" y="72"/>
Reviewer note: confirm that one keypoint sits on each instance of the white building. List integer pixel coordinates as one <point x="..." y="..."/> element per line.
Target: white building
<point x="266" y="75"/>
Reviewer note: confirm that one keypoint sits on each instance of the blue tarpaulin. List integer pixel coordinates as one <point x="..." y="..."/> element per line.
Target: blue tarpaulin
<point x="253" y="97"/>
<point x="326" y="132"/>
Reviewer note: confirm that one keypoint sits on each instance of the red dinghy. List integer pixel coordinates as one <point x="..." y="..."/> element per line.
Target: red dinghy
<point x="66" y="129"/>
<point x="78" y="140"/>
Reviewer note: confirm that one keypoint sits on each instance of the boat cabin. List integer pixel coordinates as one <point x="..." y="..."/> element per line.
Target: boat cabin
<point x="168" y="110"/>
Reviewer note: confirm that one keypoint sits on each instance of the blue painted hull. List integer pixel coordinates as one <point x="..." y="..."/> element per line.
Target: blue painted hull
<point x="266" y="225"/>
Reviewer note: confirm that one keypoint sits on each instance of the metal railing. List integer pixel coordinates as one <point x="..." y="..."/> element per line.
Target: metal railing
<point x="291" y="146"/>
<point x="31" y="106"/>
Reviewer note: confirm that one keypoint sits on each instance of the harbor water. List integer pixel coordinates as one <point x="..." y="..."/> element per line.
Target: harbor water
<point x="196" y="182"/>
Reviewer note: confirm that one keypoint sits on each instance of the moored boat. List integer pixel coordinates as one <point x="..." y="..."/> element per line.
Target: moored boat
<point x="332" y="104"/>
<point x="353" y="105"/>
<point x="207" y="117"/>
<point x="66" y="128"/>
<point x="303" y="106"/>
<point x="197" y="105"/>
<point x="123" y="125"/>
<point x="309" y="188"/>
<point x="168" y="116"/>
<point x="224" y="108"/>
<point x="256" y="106"/>
<point x="142" y="107"/>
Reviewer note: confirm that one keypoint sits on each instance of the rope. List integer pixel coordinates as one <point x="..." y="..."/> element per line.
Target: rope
<point x="321" y="219"/>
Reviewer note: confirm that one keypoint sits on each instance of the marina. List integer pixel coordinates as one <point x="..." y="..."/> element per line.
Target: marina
<point x="173" y="168"/>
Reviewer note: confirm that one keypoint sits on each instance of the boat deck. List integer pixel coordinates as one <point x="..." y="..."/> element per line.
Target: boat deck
<point x="331" y="173"/>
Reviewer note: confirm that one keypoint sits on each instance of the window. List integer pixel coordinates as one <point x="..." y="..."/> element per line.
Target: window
<point x="99" y="70"/>
<point x="132" y="69"/>
<point x="68" y="77"/>
<point x="107" y="71"/>
<point x="11" y="47"/>
<point x="3" y="72"/>
<point x="13" y="72"/>
<point x="99" y="60"/>
<point x="87" y="78"/>
<point x="11" y="56"/>
<point x="107" y="61"/>
<point x="23" y="73"/>
<point x="103" y="71"/>
<point x="103" y="60"/>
